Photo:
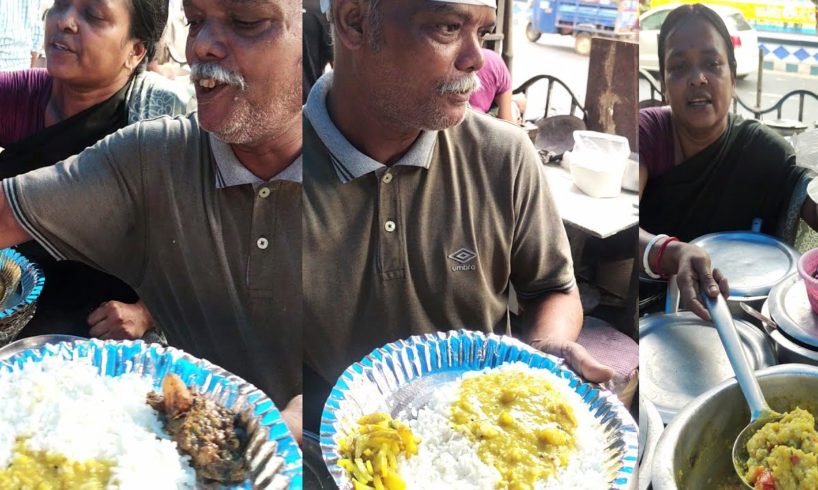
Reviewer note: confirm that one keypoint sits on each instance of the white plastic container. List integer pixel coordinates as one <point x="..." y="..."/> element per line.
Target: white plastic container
<point x="597" y="163"/>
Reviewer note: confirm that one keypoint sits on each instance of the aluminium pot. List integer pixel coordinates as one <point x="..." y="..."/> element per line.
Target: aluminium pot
<point x="695" y="450"/>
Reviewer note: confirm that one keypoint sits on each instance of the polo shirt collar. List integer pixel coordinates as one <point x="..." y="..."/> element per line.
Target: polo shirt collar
<point x="231" y="172"/>
<point x="348" y="162"/>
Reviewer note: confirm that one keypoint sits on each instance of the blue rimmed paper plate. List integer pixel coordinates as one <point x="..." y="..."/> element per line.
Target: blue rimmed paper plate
<point x="21" y="303"/>
<point x="273" y="454"/>
<point x="404" y="374"/>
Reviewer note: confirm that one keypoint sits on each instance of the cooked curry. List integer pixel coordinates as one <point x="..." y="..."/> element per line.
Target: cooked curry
<point x="210" y="434"/>
<point x="524" y="426"/>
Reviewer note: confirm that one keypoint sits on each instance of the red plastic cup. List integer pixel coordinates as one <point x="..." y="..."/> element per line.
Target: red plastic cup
<point x="807" y="267"/>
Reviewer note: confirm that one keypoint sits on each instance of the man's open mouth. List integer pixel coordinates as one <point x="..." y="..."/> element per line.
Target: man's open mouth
<point x="207" y="85"/>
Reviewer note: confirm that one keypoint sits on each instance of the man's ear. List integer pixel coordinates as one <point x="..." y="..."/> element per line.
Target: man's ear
<point x="348" y="18"/>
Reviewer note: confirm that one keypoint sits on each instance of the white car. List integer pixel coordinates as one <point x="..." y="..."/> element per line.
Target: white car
<point x="742" y="34"/>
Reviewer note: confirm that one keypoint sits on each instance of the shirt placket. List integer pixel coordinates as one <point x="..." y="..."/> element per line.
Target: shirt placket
<point x="262" y="230"/>
<point x="390" y="227"/>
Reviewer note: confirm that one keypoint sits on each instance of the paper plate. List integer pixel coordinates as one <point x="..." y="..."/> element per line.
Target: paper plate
<point x="269" y="435"/>
<point x="404" y="374"/>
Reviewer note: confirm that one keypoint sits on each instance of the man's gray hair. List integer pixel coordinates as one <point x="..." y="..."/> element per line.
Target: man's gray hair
<point x="374" y="17"/>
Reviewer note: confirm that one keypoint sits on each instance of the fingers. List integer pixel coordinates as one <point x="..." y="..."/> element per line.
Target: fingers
<point x="724" y="287"/>
<point x="689" y="293"/>
<point x="111" y="321"/>
<point x="581" y="361"/>
<point x="707" y="284"/>
<point x="98" y="315"/>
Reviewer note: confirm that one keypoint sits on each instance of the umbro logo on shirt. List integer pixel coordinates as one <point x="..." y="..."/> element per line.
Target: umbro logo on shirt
<point x="463" y="256"/>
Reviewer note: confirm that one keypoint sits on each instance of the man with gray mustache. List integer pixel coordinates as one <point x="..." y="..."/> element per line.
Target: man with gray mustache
<point x="418" y="212"/>
<point x="199" y="214"/>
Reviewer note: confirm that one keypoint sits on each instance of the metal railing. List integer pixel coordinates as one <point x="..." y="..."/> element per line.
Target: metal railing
<point x="552" y="80"/>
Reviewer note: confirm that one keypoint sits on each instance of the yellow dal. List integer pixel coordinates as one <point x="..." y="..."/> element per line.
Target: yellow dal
<point x="525" y="428"/>
<point x="39" y="470"/>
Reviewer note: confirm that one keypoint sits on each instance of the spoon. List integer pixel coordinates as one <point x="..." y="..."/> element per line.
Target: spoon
<point x="760" y="412"/>
<point x="767" y="322"/>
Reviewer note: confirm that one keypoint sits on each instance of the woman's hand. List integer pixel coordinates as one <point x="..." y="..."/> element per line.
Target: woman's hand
<point x="120" y="321"/>
<point x="694" y="273"/>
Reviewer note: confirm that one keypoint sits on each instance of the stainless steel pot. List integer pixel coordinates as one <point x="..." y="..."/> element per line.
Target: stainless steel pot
<point x="694" y="451"/>
<point x="785" y="308"/>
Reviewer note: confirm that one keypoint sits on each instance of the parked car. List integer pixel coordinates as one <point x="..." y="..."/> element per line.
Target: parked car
<point x="742" y="34"/>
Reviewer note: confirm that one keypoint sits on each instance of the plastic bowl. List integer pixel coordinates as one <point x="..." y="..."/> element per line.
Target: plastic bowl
<point x="807" y="266"/>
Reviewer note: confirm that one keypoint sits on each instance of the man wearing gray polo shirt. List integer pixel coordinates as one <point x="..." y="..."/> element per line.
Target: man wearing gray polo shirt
<point x="419" y="213"/>
<point x="200" y="214"/>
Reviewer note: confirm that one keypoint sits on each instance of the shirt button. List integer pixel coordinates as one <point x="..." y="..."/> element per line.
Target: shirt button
<point x="262" y="243"/>
<point x="389" y="226"/>
<point x="387" y="178"/>
<point x="264" y="192"/>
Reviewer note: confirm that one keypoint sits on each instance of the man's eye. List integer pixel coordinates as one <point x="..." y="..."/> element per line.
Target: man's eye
<point x="448" y="28"/>
<point x="246" y="24"/>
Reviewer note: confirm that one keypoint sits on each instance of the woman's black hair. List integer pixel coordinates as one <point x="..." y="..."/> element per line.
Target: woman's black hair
<point x="686" y="12"/>
<point x="148" y="21"/>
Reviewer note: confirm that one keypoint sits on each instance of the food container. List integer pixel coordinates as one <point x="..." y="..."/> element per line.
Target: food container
<point x="22" y="303"/>
<point x="35" y="342"/>
<point x="796" y="338"/>
<point x="630" y="178"/>
<point x="695" y="449"/>
<point x="597" y="162"/>
<point x="807" y="267"/>
<point x="404" y="375"/>
<point x="753" y="264"/>
<point x="268" y="435"/>
<point x="681" y="357"/>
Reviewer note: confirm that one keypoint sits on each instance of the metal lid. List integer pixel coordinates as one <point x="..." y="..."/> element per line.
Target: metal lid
<point x="650" y="429"/>
<point x="681" y="357"/>
<point x="753" y="263"/>
<point x="789" y="307"/>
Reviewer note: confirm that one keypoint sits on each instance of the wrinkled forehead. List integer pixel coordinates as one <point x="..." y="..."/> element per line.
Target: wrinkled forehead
<point x="283" y="5"/>
<point x="325" y="4"/>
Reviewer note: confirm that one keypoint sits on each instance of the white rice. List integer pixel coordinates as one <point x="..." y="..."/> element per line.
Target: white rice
<point x="67" y="408"/>
<point x="448" y="459"/>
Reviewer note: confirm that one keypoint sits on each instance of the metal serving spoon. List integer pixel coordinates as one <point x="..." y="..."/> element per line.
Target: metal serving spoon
<point x="767" y="323"/>
<point x="760" y="411"/>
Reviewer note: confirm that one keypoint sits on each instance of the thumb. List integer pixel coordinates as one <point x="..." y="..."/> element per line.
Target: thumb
<point x="584" y="363"/>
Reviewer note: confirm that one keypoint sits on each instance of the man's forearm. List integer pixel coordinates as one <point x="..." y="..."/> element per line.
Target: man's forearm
<point x="557" y="316"/>
<point x="11" y="233"/>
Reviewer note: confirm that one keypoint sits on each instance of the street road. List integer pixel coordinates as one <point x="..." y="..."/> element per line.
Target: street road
<point x="552" y="54"/>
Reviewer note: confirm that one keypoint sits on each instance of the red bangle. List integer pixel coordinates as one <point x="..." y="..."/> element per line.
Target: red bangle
<point x="661" y="253"/>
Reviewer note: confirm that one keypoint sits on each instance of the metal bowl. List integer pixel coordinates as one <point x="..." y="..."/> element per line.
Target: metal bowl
<point x="695" y="449"/>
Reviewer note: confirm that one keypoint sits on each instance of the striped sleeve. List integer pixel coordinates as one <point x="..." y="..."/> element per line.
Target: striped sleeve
<point x="10" y="188"/>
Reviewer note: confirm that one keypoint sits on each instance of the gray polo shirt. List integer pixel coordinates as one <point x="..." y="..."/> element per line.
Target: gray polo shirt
<point x="429" y="243"/>
<point x="214" y="251"/>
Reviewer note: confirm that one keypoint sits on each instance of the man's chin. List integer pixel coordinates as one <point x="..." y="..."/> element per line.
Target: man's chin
<point x="445" y="120"/>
